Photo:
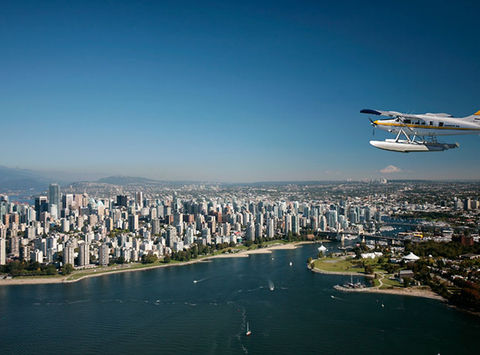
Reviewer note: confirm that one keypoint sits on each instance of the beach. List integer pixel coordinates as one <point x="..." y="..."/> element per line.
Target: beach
<point x="416" y="291"/>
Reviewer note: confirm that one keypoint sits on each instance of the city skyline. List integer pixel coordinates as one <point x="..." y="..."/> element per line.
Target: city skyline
<point x="232" y="93"/>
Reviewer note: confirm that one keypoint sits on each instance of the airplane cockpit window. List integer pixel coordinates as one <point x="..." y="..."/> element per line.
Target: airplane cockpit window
<point x="407" y="121"/>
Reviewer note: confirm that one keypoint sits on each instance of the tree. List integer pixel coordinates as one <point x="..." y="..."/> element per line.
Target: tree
<point x="406" y="282"/>
<point x="67" y="269"/>
<point x="167" y="259"/>
<point x="368" y="269"/>
<point x="149" y="258"/>
<point x="50" y="269"/>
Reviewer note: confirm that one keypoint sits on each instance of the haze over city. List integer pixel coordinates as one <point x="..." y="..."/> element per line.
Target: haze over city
<point x="232" y="92"/>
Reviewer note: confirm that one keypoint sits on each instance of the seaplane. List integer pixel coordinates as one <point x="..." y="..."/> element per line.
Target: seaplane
<point x="419" y="132"/>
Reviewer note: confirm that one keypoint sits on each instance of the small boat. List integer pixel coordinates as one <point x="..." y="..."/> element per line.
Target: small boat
<point x="291" y="263"/>
<point x="249" y="332"/>
<point x="195" y="281"/>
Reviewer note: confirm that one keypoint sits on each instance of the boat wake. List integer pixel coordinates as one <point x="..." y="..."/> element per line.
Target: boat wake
<point x="271" y="286"/>
<point x="201" y="280"/>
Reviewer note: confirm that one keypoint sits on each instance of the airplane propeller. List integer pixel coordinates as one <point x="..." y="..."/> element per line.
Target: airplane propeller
<point x="373" y="124"/>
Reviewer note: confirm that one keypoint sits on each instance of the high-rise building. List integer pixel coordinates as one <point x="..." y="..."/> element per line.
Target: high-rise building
<point x="122" y="200"/>
<point x="65" y="225"/>
<point x="332" y="218"/>
<point x="258" y="230"/>
<point x="155" y="226"/>
<point x="54" y="198"/>
<point x="171" y="236"/>
<point x="15" y="246"/>
<point x="250" y="232"/>
<point x="295" y="225"/>
<point x="103" y="255"/>
<point x="3" y="251"/>
<point x="41" y="205"/>
<point x="67" y="201"/>
<point x="467" y="204"/>
<point x="133" y="222"/>
<point x="36" y="256"/>
<point x="270" y="229"/>
<point x="288" y="223"/>
<point x="68" y="254"/>
<point x="83" y="254"/>
<point x="139" y="198"/>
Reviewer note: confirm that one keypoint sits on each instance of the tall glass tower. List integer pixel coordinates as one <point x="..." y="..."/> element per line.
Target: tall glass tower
<point x="54" y="196"/>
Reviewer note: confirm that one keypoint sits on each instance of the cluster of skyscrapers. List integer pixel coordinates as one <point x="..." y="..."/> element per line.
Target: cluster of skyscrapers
<point x="77" y="229"/>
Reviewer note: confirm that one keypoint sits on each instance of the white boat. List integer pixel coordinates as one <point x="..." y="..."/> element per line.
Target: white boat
<point x="249" y="332"/>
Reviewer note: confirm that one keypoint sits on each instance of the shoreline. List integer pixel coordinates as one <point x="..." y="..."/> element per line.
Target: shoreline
<point x="65" y="279"/>
<point x="346" y="273"/>
<point x="411" y="291"/>
<point x="414" y="291"/>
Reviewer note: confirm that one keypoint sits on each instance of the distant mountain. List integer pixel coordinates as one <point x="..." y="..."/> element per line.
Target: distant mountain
<point x="12" y="179"/>
<point x="126" y="180"/>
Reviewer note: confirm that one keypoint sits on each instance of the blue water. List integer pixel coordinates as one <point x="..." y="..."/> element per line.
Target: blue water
<point x="164" y="311"/>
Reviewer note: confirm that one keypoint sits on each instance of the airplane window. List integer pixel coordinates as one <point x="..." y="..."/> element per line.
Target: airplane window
<point x="440" y="124"/>
<point x="407" y="121"/>
<point x="431" y="123"/>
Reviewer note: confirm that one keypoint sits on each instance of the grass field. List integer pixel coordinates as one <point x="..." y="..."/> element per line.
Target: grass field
<point x="387" y="283"/>
<point x="339" y="265"/>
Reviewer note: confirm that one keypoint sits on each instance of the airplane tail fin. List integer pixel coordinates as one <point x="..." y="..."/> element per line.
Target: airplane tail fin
<point x="473" y="118"/>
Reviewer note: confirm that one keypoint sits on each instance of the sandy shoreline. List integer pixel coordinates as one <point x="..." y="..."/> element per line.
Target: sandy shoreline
<point x="100" y="272"/>
<point x="411" y="291"/>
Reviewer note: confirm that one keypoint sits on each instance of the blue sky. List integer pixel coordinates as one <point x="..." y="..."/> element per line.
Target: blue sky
<point x="232" y="91"/>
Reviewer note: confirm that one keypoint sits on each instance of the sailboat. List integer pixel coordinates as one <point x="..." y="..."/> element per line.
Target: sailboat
<point x="249" y="332"/>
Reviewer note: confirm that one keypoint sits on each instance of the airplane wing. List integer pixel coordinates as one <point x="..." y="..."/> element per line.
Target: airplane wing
<point x="393" y="114"/>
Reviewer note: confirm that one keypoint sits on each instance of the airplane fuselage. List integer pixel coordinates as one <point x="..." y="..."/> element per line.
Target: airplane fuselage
<point x="429" y="126"/>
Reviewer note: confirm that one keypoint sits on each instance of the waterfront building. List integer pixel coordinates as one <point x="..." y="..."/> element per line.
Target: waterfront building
<point x="171" y="236"/>
<point x="14" y="246"/>
<point x="83" y="254"/>
<point x="270" y="228"/>
<point x="68" y="254"/>
<point x="288" y="223"/>
<point x="258" y="230"/>
<point x="295" y="225"/>
<point x="3" y="251"/>
<point x="103" y="255"/>
<point x="37" y="256"/>
<point x="250" y="232"/>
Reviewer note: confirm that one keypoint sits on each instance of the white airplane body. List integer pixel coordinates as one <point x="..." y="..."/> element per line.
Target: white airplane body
<point x="421" y="130"/>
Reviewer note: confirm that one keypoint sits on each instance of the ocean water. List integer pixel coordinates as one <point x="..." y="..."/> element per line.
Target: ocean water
<point x="290" y="310"/>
